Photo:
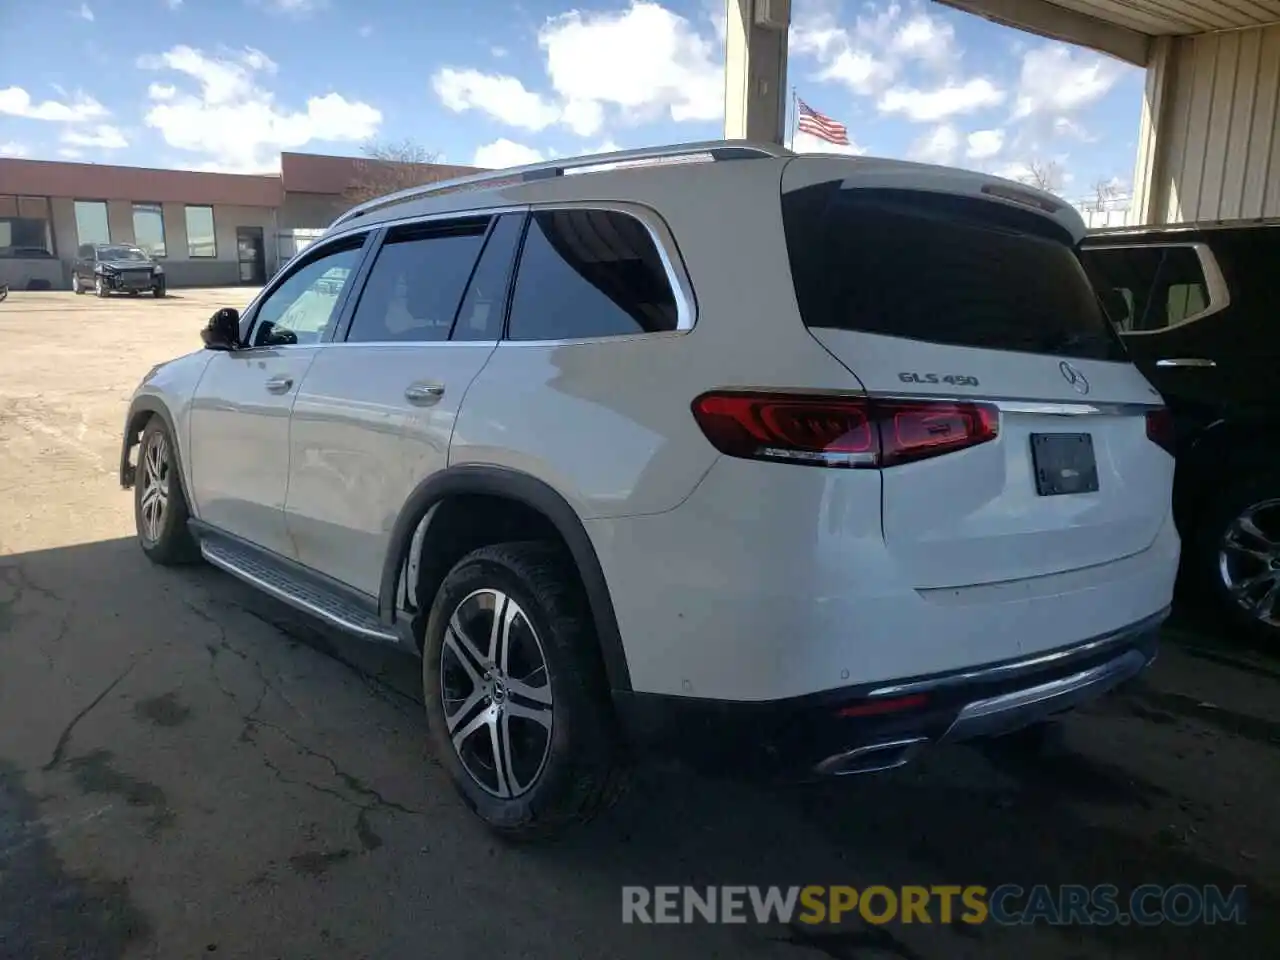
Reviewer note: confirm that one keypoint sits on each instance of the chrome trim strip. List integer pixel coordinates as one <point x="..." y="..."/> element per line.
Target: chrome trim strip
<point x="1017" y="708"/>
<point x="222" y="563"/>
<point x="663" y="240"/>
<point x="828" y="766"/>
<point x="995" y="672"/>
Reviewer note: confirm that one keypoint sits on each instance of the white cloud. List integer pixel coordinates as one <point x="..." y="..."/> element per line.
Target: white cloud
<point x="70" y="153"/>
<point x="162" y="91"/>
<point x="644" y="61"/>
<point x="636" y="65"/>
<point x="235" y="122"/>
<point x="940" y="145"/>
<point x="869" y="56"/>
<point x="502" y="97"/>
<point x="18" y="103"/>
<point x="13" y="149"/>
<point x="1066" y="127"/>
<point x="505" y="153"/>
<point x="101" y="137"/>
<point x="498" y="52"/>
<point x="1056" y="79"/>
<point x="984" y="144"/>
<point x="300" y="8"/>
<point x="951" y="99"/>
<point x="84" y="13"/>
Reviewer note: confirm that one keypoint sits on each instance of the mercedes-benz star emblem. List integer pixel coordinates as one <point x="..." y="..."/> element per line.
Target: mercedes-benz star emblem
<point x="1074" y="377"/>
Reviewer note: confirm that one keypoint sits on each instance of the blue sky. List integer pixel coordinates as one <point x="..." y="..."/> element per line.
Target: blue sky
<point x="227" y="84"/>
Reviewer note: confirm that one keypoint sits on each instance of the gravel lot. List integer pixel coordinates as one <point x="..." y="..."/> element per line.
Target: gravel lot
<point x="187" y="769"/>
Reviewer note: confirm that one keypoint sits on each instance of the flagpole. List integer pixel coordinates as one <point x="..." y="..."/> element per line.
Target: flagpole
<point x="795" y="115"/>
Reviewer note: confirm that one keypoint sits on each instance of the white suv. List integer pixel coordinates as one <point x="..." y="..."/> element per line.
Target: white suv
<point x="791" y="464"/>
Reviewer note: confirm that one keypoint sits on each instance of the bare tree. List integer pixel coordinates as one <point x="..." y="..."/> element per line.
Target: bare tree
<point x="1104" y="191"/>
<point x="1044" y="174"/>
<point x="390" y="166"/>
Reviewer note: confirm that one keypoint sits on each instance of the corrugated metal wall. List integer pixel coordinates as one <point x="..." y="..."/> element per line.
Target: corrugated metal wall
<point x="1217" y="144"/>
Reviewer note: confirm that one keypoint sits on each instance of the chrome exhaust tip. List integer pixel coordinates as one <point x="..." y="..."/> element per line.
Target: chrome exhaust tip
<point x="871" y="758"/>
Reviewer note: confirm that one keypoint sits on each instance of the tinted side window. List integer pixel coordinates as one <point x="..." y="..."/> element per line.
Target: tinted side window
<point x="481" y="315"/>
<point x="589" y="273"/>
<point x="417" y="281"/>
<point x="302" y="307"/>
<point x="1148" y="288"/>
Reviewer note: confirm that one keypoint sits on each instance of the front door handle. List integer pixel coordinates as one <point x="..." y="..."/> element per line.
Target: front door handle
<point x="280" y="384"/>
<point x="424" y="394"/>
<point x="1186" y="362"/>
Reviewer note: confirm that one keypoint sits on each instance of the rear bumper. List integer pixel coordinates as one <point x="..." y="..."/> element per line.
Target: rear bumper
<point x="878" y="726"/>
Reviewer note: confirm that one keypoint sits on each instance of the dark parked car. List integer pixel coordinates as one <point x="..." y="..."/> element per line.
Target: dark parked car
<point x="1199" y="308"/>
<point x="107" y="268"/>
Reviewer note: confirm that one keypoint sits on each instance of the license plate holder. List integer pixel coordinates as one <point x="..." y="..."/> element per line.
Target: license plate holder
<point x="1064" y="463"/>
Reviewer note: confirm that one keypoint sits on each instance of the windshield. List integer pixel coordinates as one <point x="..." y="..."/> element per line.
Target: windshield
<point x="950" y="270"/>
<point x="121" y="253"/>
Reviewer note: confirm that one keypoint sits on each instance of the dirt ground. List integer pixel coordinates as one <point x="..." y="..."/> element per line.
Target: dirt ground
<point x="187" y="769"/>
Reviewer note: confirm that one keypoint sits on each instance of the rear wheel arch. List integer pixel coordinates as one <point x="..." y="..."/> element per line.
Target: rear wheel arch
<point x="1221" y="456"/>
<point x="469" y="506"/>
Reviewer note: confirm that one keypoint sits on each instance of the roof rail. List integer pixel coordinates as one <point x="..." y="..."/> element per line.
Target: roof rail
<point x="714" y="150"/>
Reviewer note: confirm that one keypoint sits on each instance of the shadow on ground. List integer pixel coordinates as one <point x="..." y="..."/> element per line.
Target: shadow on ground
<point x="1164" y="783"/>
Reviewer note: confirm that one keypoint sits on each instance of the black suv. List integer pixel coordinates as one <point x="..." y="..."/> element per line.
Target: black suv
<point x="1199" y="309"/>
<point x="107" y="268"/>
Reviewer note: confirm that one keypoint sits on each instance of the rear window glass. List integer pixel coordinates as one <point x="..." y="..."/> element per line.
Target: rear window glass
<point x="944" y="269"/>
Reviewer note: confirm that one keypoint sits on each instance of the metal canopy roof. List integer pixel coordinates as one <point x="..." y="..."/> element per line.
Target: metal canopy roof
<point x="1123" y="28"/>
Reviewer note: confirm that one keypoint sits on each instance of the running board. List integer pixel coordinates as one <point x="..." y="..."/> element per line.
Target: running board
<point x="258" y="571"/>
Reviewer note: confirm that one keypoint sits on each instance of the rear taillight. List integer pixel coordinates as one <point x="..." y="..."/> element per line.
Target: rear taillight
<point x="840" y="431"/>
<point x="1160" y="429"/>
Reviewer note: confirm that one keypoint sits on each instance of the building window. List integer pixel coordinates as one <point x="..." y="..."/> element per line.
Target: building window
<point x="91" y="221"/>
<point x="148" y="228"/>
<point x="25" y="227"/>
<point x="201" y="241"/>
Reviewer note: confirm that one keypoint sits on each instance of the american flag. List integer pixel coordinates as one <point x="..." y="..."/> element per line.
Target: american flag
<point x="820" y="125"/>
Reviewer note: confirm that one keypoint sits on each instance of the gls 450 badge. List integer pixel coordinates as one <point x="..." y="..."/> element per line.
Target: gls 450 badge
<point x="955" y="380"/>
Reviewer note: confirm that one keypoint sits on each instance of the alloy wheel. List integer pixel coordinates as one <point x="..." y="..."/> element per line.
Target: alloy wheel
<point x="496" y="692"/>
<point x="1249" y="561"/>
<point x="155" y="486"/>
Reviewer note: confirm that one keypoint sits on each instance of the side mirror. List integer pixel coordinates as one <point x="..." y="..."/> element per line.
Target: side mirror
<point x="222" y="332"/>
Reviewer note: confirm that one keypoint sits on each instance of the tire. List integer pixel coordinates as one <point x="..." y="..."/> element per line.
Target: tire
<point x="158" y="291"/>
<point x="558" y="777"/>
<point x="1226" y="554"/>
<point x="100" y="288"/>
<point x="164" y="536"/>
<point x="134" y="293"/>
<point x="75" y="284"/>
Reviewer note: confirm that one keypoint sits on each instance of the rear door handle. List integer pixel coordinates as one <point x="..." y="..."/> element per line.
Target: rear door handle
<point x="279" y="384"/>
<point x="424" y="394"/>
<point x="1186" y="362"/>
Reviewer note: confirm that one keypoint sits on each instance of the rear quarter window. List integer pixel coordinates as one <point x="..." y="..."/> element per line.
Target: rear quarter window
<point x="943" y="269"/>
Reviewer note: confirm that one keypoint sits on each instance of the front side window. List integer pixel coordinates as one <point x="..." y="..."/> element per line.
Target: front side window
<point x="1146" y="289"/>
<point x="91" y="221"/>
<point x="148" y="228"/>
<point x="300" y="310"/>
<point x="587" y="274"/>
<point x="417" y="282"/>
<point x="201" y="239"/>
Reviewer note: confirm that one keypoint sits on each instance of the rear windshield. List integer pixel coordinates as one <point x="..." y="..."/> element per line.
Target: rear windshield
<point x="953" y="270"/>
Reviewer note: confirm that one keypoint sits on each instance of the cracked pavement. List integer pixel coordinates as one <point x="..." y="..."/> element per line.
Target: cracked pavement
<point x="189" y="769"/>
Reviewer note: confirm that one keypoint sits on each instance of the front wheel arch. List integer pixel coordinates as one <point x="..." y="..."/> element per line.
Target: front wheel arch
<point x="534" y="494"/>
